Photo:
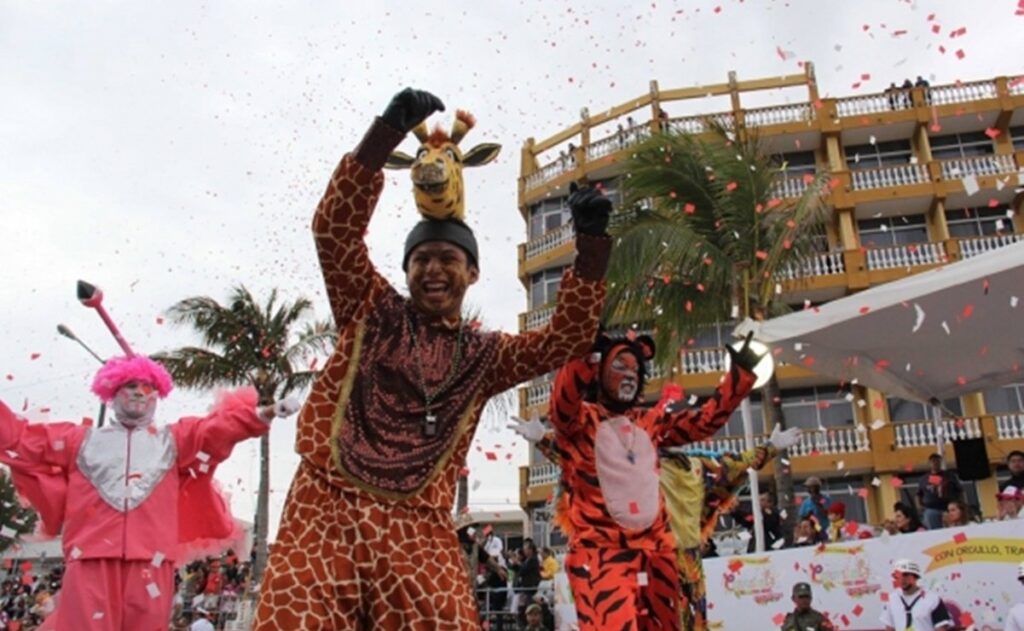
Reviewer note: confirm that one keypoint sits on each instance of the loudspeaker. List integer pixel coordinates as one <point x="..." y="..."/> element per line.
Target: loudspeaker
<point x="971" y="459"/>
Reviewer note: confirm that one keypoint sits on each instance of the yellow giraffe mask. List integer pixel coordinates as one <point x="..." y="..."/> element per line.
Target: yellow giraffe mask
<point x="437" y="168"/>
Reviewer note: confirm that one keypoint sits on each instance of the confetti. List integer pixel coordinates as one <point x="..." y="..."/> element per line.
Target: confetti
<point x="153" y="590"/>
<point x="919" y="318"/>
<point x="970" y="185"/>
<point x="158" y="559"/>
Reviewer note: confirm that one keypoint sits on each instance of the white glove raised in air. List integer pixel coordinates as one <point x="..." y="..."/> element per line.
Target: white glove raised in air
<point x="532" y="430"/>
<point x="280" y="409"/>
<point x="784" y="439"/>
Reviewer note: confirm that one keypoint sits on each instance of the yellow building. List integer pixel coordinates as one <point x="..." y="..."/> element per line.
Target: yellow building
<point x="920" y="177"/>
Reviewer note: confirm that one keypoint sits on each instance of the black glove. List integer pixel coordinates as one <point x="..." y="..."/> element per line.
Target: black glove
<point x="409" y="108"/>
<point x="590" y="210"/>
<point x="745" y="357"/>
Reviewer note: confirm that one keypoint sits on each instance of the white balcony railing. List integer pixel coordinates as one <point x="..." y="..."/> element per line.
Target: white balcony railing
<point x="788" y="187"/>
<point x="884" y="177"/>
<point x="833" y="440"/>
<point x="538" y="318"/>
<point x="925" y="433"/>
<point x="687" y="125"/>
<point x="978" y="165"/>
<point x="906" y="255"/>
<point x="538" y="393"/>
<point x="777" y="114"/>
<point x="729" y="444"/>
<point x="979" y="245"/>
<point x="703" y="360"/>
<point x="544" y="473"/>
<point x="872" y="103"/>
<point x="550" y="240"/>
<point x="827" y="264"/>
<point x="961" y="93"/>
<point x="549" y="172"/>
<point x="1016" y="85"/>
<point x="1009" y="426"/>
<point x="618" y="141"/>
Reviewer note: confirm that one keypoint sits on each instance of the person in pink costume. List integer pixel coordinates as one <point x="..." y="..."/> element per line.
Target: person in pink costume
<point x="130" y="496"/>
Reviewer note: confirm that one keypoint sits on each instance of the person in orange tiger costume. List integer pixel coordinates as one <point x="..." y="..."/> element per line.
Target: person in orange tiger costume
<point x="622" y="552"/>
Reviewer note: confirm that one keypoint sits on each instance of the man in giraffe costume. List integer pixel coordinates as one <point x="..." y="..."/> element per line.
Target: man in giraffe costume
<point x="366" y="539"/>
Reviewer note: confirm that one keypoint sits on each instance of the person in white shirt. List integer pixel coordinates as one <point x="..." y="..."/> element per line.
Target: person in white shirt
<point x="910" y="608"/>
<point x="1015" y="619"/>
<point x="202" y="623"/>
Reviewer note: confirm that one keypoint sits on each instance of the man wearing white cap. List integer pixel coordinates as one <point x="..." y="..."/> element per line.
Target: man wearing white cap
<point x="1015" y="619"/>
<point x="910" y="608"/>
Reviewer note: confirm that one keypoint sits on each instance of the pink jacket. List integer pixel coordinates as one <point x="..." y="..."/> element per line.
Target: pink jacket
<point x="131" y="494"/>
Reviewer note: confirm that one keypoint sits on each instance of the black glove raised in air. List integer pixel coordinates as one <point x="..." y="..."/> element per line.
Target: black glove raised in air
<point x="745" y="357"/>
<point x="590" y="210"/>
<point x="409" y="108"/>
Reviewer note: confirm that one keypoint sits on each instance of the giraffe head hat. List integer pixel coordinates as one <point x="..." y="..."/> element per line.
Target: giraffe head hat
<point x="436" y="170"/>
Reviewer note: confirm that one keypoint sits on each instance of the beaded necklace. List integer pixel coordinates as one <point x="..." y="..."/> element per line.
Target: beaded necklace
<point x="430" y="419"/>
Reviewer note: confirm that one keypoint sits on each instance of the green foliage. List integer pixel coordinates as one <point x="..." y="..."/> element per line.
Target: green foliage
<point x="12" y="514"/>
<point x="704" y="233"/>
<point x="266" y="346"/>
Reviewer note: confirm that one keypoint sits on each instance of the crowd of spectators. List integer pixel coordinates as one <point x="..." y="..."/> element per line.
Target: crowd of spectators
<point x="940" y="502"/>
<point x="26" y="598"/>
<point x="899" y="96"/>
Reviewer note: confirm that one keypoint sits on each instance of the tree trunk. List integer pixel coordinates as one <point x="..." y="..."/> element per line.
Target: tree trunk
<point x="771" y="402"/>
<point x="262" y="512"/>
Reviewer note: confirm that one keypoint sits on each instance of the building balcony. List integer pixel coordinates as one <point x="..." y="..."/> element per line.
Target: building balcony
<point x="840" y="451"/>
<point x="888" y="177"/>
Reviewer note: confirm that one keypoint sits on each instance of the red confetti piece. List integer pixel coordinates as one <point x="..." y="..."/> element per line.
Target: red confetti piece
<point x="857" y="611"/>
<point x="992" y="132"/>
<point x="491" y="455"/>
<point x="464" y="472"/>
<point x="633" y="508"/>
<point x="851" y="529"/>
<point x="862" y="493"/>
<point x="960" y="54"/>
<point x="778" y="619"/>
<point x="809" y="361"/>
<point x="159" y="320"/>
<point x="967" y="311"/>
<point x="864" y="310"/>
<point x="936" y="28"/>
<point x="966" y="619"/>
<point x="10" y="377"/>
<point x="689" y="208"/>
<point x="881" y="364"/>
<point x="960" y="537"/>
<point x="761" y="255"/>
<point x="883" y="596"/>
<point x="735" y="565"/>
<point x="731" y="186"/>
<point x="896" y="482"/>
<point x="34" y="356"/>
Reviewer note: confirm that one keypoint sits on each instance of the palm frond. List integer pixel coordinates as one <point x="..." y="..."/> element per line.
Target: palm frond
<point x="200" y="368"/>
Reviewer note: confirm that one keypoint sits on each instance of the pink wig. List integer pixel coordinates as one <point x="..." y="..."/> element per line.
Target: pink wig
<point x="120" y="370"/>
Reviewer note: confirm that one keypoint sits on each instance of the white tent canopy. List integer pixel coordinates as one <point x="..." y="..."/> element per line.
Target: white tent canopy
<point x="929" y="337"/>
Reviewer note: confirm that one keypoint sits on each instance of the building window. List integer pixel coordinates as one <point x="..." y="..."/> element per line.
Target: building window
<point x="879" y="154"/>
<point x="902" y="410"/>
<point x="544" y="287"/>
<point x="795" y="164"/>
<point x="713" y="335"/>
<point x="889" y="231"/>
<point x="1006" y="400"/>
<point x="807" y="408"/>
<point x="1017" y="136"/>
<point x="965" y="145"/>
<point x="976" y="222"/>
<point x="547" y="215"/>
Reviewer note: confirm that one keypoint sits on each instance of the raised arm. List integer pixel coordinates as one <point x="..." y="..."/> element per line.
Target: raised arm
<point x="574" y="324"/>
<point x="679" y="427"/>
<point x="571" y="384"/>
<point x="204" y="442"/>
<point x="683" y="425"/>
<point x="344" y="212"/>
<point x="48" y="444"/>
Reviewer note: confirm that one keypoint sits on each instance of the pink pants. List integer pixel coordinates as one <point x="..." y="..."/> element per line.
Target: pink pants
<point x="115" y="595"/>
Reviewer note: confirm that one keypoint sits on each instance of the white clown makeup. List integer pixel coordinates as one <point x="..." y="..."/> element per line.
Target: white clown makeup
<point x="621" y="377"/>
<point x="135" y="403"/>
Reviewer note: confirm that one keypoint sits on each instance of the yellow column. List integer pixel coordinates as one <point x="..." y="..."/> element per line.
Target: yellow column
<point x="885" y="496"/>
<point x="938" y="230"/>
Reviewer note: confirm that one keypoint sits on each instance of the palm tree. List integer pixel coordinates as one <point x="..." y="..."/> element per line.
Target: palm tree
<point x="705" y="243"/>
<point x="248" y="344"/>
<point x="18" y="519"/>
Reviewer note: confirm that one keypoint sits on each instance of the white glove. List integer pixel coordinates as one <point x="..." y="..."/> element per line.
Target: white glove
<point x="532" y="430"/>
<point x="785" y="439"/>
<point x="281" y="409"/>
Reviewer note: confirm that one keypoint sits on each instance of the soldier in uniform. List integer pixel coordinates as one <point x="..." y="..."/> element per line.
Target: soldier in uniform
<point x="804" y="618"/>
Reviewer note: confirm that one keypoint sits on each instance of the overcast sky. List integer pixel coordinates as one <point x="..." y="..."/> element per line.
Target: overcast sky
<point x="165" y="150"/>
